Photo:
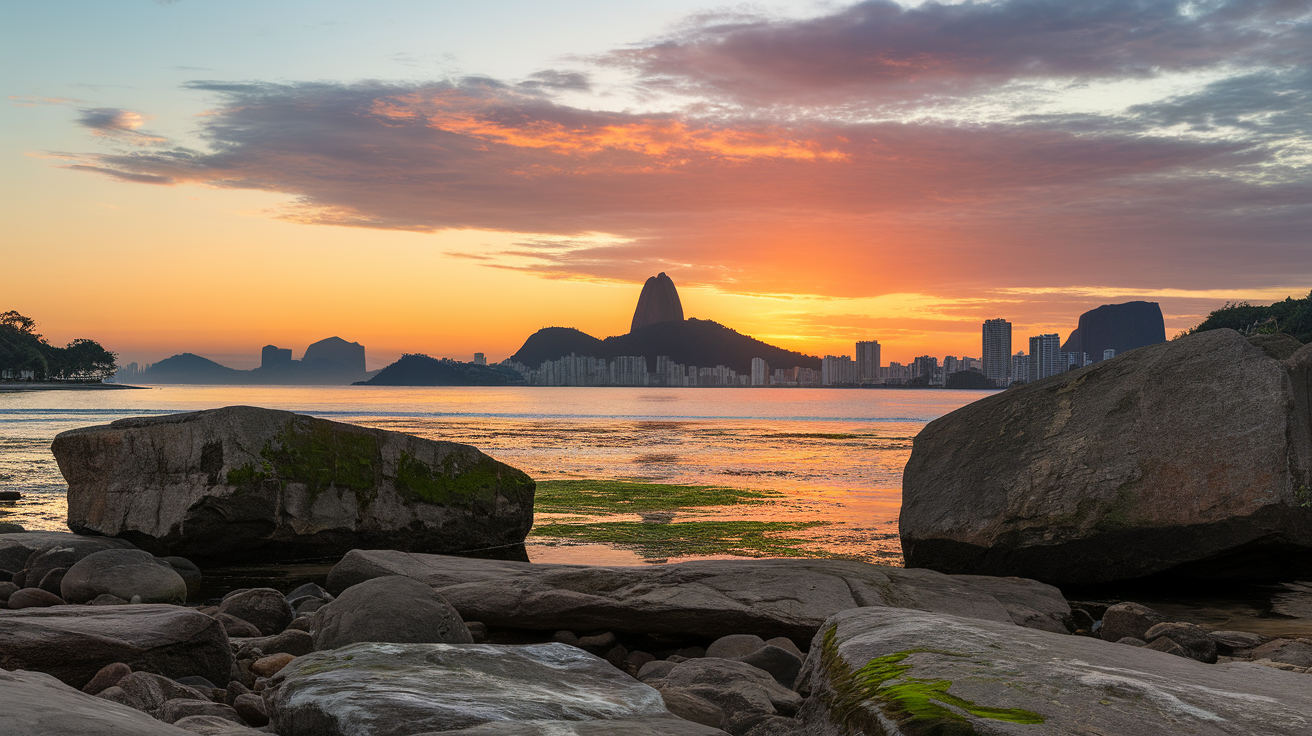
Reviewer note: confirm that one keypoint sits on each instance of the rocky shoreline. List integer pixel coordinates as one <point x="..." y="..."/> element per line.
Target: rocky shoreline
<point x="407" y="643"/>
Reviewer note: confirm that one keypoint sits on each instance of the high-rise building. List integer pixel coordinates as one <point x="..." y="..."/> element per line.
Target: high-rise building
<point x="997" y="351"/>
<point x="925" y="365"/>
<point x="867" y="361"/>
<point x="1108" y="354"/>
<point x="760" y="372"/>
<point x="1045" y="356"/>
<point x="838" y="370"/>
<point x="480" y="359"/>
<point x="1020" y="367"/>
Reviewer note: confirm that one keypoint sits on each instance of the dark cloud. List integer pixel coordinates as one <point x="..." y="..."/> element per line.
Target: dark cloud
<point x="553" y="80"/>
<point x="880" y="49"/>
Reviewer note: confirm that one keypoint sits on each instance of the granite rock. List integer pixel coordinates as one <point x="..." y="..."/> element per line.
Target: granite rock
<point x="393" y="609"/>
<point x="36" y="704"/>
<point x="126" y="573"/>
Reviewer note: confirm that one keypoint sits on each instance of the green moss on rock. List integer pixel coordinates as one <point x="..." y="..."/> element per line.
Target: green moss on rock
<point x="461" y="481"/>
<point x="318" y="455"/>
<point x="920" y="707"/>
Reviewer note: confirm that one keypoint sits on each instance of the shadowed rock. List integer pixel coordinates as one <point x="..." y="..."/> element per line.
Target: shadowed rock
<point x="1119" y="327"/>
<point x="706" y="598"/>
<point x="245" y="483"/>
<point x="36" y="704"/>
<point x="1191" y="458"/>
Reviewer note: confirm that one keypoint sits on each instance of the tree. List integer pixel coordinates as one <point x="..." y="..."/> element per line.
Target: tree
<point x="1291" y="316"/>
<point x="23" y="350"/>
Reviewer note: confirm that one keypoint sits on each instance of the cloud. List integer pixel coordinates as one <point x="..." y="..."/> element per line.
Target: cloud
<point x="1203" y="187"/>
<point x="880" y="50"/>
<point x="118" y="124"/>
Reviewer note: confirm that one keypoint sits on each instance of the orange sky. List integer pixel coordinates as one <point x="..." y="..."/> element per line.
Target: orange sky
<point x="863" y="173"/>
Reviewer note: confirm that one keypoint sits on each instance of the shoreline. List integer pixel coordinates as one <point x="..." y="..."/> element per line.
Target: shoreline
<point x="29" y="386"/>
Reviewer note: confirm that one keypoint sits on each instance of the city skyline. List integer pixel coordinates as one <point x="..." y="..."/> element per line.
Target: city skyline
<point x="189" y="176"/>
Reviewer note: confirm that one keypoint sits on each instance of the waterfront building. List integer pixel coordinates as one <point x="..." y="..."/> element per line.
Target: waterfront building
<point x="838" y="370"/>
<point x="760" y="372"/>
<point x="480" y="359"/>
<point x="1108" y="354"/>
<point x="925" y="365"/>
<point x="997" y="350"/>
<point x="867" y="361"/>
<point x="1045" y="356"/>
<point x="1020" y="367"/>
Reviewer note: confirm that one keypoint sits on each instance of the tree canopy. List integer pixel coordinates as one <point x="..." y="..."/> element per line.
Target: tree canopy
<point x="23" y="349"/>
<point x="1291" y="316"/>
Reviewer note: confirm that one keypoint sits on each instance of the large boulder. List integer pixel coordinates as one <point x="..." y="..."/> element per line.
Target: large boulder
<point x="400" y="689"/>
<point x="264" y="608"/>
<point x="885" y="670"/>
<point x="707" y="598"/>
<point x="36" y="704"/>
<point x="16" y="548"/>
<point x="393" y="609"/>
<point x="125" y="573"/>
<point x="73" y="643"/>
<point x="244" y="483"/>
<point x="1192" y="458"/>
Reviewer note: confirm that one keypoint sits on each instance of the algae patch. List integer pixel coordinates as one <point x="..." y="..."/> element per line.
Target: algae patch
<point x="621" y="496"/>
<point x="313" y="454"/>
<point x="919" y="706"/>
<point x="741" y="538"/>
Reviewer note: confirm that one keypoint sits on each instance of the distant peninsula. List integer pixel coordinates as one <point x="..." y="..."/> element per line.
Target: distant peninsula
<point x="416" y="369"/>
<point x="328" y="362"/>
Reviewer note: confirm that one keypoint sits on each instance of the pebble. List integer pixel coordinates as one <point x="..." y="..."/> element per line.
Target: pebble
<point x="269" y="666"/>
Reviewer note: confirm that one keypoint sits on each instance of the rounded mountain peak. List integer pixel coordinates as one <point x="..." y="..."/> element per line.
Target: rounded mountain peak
<point x="659" y="302"/>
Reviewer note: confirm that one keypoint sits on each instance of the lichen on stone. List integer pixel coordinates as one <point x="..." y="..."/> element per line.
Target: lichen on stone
<point x="315" y="454"/>
<point x="454" y="482"/>
<point x="920" y="707"/>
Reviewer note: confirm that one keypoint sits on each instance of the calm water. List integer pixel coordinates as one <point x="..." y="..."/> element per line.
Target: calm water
<point x="836" y="454"/>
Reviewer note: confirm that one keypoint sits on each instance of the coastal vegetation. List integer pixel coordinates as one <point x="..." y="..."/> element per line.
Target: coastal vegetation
<point x="1291" y="316"/>
<point x="654" y="540"/>
<point x="25" y="354"/>
<point x="629" y="496"/>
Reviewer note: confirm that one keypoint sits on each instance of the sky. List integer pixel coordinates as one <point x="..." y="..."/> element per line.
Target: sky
<point x="448" y="177"/>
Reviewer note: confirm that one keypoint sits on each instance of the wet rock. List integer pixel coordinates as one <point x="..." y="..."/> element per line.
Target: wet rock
<point x="17" y="550"/>
<point x="291" y="642"/>
<point x="1229" y="642"/>
<point x="692" y="707"/>
<point x="920" y="669"/>
<point x="1193" y="638"/>
<point x="270" y="665"/>
<point x="780" y="663"/>
<point x="149" y="692"/>
<point x="108" y="676"/>
<point x="743" y="692"/>
<point x="236" y="627"/>
<point x="392" y="609"/>
<point x="1128" y="619"/>
<point x="666" y="726"/>
<point x="369" y="688"/>
<point x="36" y="704"/>
<point x="214" y="726"/>
<point x="189" y="572"/>
<point x="1286" y="651"/>
<point x="265" y="608"/>
<point x="710" y="598"/>
<point x="734" y="645"/>
<point x="33" y="598"/>
<point x="129" y="574"/>
<point x="74" y="642"/>
<point x="1181" y="459"/>
<point x="251" y="709"/>
<point x="179" y="708"/>
<point x="245" y="483"/>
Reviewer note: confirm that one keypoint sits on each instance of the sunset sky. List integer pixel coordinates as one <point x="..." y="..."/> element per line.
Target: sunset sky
<point x="448" y="177"/>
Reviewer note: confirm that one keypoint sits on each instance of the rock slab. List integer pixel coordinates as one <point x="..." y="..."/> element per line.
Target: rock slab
<point x="878" y="670"/>
<point x="73" y="643"/>
<point x="400" y="689"/>
<point x="708" y="598"/>
<point x="1192" y="458"/>
<point x="393" y="609"/>
<point x="243" y="483"/>
<point x="36" y="704"/>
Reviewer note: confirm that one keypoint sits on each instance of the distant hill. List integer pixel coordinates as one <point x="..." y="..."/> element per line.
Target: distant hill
<point x="422" y="370"/>
<point x="1120" y="327"/>
<point x="698" y="342"/>
<point x="189" y="368"/>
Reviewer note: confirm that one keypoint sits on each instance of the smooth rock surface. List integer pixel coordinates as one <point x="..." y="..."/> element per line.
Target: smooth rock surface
<point x="743" y="692"/>
<point x="1073" y="684"/>
<point x="125" y="573"/>
<point x="16" y="549"/>
<point x="264" y="608"/>
<point x="214" y="726"/>
<point x="393" y="609"/>
<point x="36" y="704"/>
<point x="74" y="642"/>
<point x="244" y="483"/>
<point x="1128" y="619"/>
<point x="401" y="689"/>
<point x="653" y="727"/>
<point x="149" y="692"/>
<point x="710" y="598"/>
<point x="1191" y="458"/>
<point x="33" y="598"/>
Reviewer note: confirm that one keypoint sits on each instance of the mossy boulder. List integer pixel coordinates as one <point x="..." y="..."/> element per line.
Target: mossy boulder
<point x="916" y="673"/>
<point x="245" y="483"/>
<point x="1190" y="459"/>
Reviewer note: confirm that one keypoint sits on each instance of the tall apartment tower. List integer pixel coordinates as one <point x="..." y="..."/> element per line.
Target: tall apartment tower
<point x="997" y="351"/>
<point x="1045" y="356"/>
<point x="867" y="361"/>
